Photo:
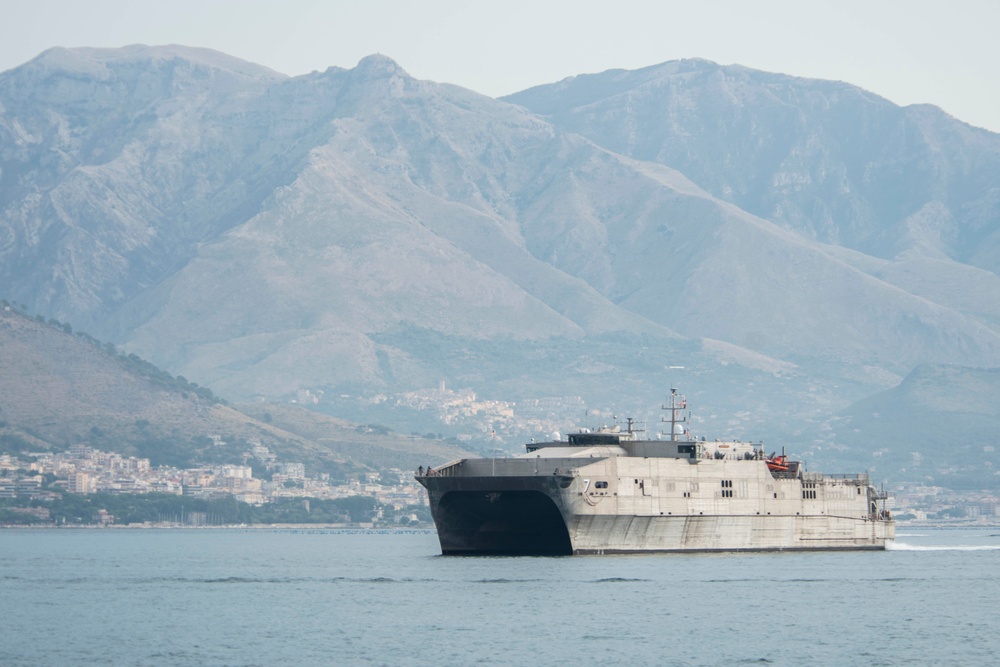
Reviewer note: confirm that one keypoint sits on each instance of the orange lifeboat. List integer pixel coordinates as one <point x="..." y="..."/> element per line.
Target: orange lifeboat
<point x="777" y="463"/>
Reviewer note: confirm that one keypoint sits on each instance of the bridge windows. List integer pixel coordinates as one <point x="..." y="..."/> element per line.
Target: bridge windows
<point x="727" y="488"/>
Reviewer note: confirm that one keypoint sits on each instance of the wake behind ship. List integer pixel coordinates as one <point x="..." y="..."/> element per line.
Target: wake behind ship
<point x="610" y="492"/>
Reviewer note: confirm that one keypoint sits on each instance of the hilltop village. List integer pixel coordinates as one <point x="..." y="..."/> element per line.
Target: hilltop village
<point x="503" y="424"/>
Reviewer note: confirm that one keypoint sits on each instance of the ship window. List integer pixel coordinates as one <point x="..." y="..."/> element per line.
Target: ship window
<point x="600" y="485"/>
<point x="727" y="488"/>
<point x="594" y="438"/>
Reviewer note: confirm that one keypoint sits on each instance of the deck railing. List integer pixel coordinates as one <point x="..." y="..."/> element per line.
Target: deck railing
<point x="819" y="476"/>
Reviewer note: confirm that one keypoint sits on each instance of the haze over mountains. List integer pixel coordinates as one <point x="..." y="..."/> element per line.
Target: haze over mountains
<point x="797" y="245"/>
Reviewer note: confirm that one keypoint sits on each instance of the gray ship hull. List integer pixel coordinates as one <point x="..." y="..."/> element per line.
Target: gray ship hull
<point x="529" y="515"/>
<point x="649" y="497"/>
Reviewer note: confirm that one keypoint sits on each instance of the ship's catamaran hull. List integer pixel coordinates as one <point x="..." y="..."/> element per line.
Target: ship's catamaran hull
<point x="649" y="496"/>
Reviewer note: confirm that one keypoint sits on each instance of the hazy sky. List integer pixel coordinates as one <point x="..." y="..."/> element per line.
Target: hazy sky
<point x="909" y="51"/>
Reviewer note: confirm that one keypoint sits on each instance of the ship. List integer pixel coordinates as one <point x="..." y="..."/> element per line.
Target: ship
<point x="608" y="491"/>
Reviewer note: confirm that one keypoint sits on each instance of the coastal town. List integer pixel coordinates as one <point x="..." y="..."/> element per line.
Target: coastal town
<point x="26" y="487"/>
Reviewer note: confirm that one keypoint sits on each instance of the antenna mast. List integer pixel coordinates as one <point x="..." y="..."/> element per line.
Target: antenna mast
<point x="677" y="404"/>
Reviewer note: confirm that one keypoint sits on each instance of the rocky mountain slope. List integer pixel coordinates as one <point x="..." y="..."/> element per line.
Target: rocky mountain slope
<point x="62" y="388"/>
<point x="795" y="244"/>
<point x="827" y="159"/>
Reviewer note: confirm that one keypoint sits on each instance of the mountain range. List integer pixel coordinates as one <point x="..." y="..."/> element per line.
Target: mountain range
<point x="797" y="246"/>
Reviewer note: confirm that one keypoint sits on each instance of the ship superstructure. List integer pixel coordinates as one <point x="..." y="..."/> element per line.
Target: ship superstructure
<point x="609" y="491"/>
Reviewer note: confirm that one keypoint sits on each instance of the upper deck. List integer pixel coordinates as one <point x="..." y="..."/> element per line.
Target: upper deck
<point x="673" y="449"/>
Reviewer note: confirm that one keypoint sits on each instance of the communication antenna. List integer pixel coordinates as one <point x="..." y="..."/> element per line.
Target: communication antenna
<point x="678" y="403"/>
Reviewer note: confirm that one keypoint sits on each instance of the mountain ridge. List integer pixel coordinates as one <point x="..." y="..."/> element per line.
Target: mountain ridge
<point x="360" y="231"/>
<point x="793" y="170"/>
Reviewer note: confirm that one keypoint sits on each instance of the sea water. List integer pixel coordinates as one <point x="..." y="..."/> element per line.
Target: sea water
<point x="326" y="597"/>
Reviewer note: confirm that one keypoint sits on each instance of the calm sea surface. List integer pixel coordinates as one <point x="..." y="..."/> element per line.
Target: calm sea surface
<point x="324" y="597"/>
